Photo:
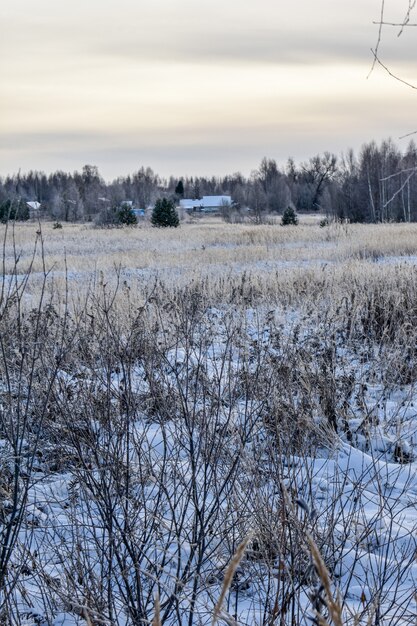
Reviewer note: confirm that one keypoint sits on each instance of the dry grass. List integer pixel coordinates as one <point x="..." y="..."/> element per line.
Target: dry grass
<point x="333" y="605"/>
<point x="228" y="578"/>
<point x="157" y="617"/>
<point x="326" y="277"/>
<point x="209" y="242"/>
<point x="223" y="262"/>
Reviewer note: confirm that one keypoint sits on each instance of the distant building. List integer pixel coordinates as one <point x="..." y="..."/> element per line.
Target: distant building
<point x="34" y="208"/>
<point x="190" y="205"/>
<point x="207" y="204"/>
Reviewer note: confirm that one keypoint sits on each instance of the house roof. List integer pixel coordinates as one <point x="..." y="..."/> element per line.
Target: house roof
<point x="190" y="204"/>
<point x="34" y="205"/>
<point x="218" y="201"/>
<point x="205" y="202"/>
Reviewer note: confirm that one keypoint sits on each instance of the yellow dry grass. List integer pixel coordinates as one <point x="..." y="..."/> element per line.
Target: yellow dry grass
<point x="273" y="262"/>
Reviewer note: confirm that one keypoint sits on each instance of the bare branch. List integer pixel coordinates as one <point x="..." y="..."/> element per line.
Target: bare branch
<point x="408" y="134"/>
<point x="379" y="38"/>
<point x="401" y="80"/>
<point x="411" y="6"/>
<point x="401" y="24"/>
<point x="399" y="190"/>
<point x="408" y="169"/>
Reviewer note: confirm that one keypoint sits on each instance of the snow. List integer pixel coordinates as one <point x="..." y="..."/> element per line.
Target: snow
<point x="356" y="496"/>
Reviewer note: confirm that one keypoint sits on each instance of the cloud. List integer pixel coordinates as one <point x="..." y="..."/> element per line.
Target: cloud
<point x="265" y="32"/>
<point x="214" y="31"/>
<point x="193" y="82"/>
<point x="222" y="147"/>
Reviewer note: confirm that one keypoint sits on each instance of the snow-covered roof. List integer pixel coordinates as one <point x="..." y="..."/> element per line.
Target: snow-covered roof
<point x="206" y="202"/>
<point x="215" y="201"/>
<point x="190" y="204"/>
<point x="34" y="205"/>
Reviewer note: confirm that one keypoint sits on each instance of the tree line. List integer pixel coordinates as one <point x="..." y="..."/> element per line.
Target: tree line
<point x="379" y="184"/>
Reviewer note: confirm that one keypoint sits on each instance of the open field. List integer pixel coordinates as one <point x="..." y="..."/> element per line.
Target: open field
<point x="273" y="259"/>
<point x="210" y="243"/>
<point x="165" y="394"/>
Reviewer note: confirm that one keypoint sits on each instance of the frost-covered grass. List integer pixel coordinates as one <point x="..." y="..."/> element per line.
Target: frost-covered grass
<point x="207" y="243"/>
<point x="151" y="421"/>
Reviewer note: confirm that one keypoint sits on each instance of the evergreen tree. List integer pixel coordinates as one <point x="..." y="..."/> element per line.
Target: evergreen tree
<point x="179" y="189"/>
<point x="14" y="210"/>
<point x="289" y="217"/>
<point x="126" y="215"/>
<point x="164" y="214"/>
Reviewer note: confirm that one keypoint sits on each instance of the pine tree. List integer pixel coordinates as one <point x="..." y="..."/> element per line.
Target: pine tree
<point x="179" y="189"/>
<point x="126" y="215"/>
<point x="289" y="217"/>
<point x="14" y="210"/>
<point x="164" y="214"/>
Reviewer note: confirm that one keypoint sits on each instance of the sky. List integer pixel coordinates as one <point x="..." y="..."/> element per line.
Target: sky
<point x="197" y="87"/>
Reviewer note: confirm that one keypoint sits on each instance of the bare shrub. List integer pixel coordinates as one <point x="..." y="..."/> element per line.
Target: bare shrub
<point x="149" y="427"/>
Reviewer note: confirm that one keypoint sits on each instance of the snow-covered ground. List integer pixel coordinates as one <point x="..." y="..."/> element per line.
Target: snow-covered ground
<point x="143" y="437"/>
<point x="152" y="468"/>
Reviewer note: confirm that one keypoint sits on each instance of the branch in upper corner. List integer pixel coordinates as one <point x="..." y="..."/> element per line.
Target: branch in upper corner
<point x="381" y="21"/>
<point x="378" y="60"/>
<point x="401" y="24"/>
<point x="414" y="132"/>
<point x="406" y="20"/>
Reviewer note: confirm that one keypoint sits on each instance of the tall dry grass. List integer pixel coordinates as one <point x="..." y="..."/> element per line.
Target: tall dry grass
<point x="207" y="243"/>
<point x="227" y="262"/>
<point x="209" y="333"/>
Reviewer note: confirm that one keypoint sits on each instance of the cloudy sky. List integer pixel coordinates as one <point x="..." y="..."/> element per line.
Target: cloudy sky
<point x="196" y="86"/>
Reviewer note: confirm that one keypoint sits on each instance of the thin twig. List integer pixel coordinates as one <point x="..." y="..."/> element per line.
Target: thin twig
<point x="401" y="80"/>
<point x="408" y="134"/>
<point x="411" y="6"/>
<point x="404" y="171"/>
<point x="395" y="24"/>
<point x="381" y="21"/>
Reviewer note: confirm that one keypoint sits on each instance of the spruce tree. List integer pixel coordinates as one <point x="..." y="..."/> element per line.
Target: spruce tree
<point x="126" y="215"/>
<point x="289" y="217"/>
<point x="179" y="189"/>
<point x="13" y="210"/>
<point x="164" y="214"/>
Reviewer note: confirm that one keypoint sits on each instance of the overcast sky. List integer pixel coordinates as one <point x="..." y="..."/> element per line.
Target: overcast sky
<point x="196" y="86"/>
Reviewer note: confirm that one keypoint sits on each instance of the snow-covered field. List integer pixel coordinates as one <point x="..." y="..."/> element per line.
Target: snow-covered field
<point x="152" y="422"/>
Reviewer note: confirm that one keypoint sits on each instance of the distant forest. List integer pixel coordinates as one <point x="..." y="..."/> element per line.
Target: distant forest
<point x="377" y="185"/>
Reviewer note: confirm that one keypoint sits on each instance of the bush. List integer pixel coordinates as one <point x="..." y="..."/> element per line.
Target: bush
<point x="164" y="214"/>
<point x="289" y="217"/>
<point x="116" y="216"/>
<point x="107" y="218"/>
